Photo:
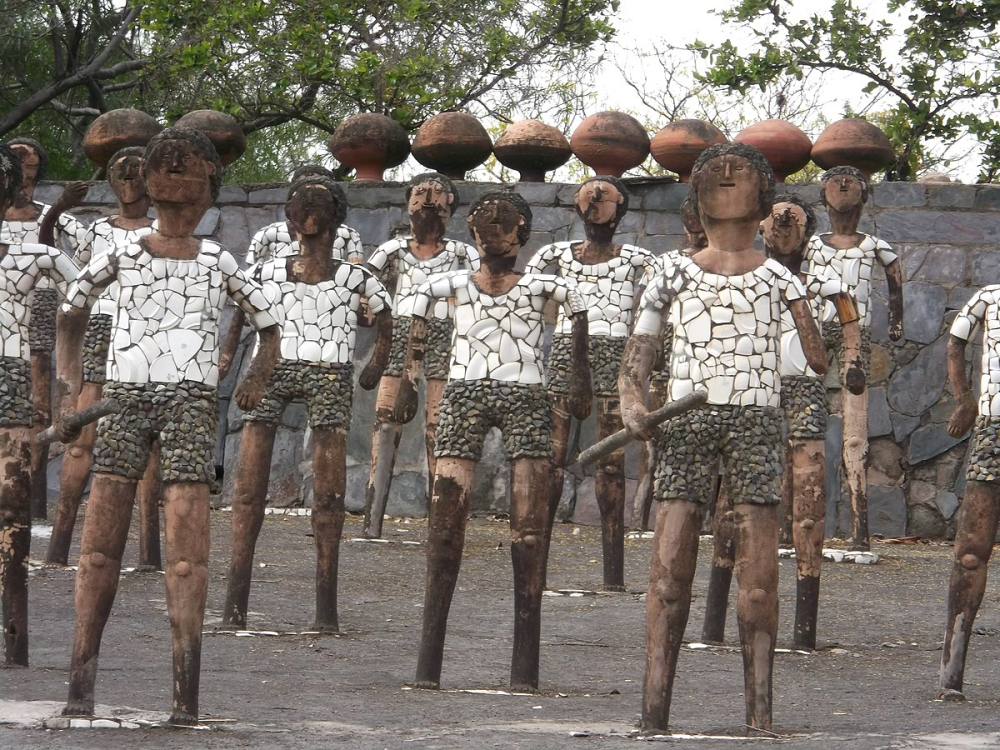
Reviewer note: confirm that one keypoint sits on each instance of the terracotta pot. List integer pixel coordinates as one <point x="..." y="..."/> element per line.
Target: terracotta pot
<point x="610" y="143"/>
<point x="785" y="147"/>
<point x="116" y="130"/>
<point x="853" y="143"/>
<point x="679" y="144"/>
<point x="221" y="129"/>
<point x="452" y="143"/>
<point x="370" y="143"/>
<point x="532" y="148"/>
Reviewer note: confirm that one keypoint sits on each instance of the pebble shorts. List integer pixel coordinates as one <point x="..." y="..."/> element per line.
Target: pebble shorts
<point x="605" y="357"/>
<point x="437" y="352"/>
<point x="325" y="388"/>
<point x="803" y="398"/>
<point x="42" y="327"/>
<point x="984" y="453"/>
<point x="96" y="344"/>
<point x="16" y="409"/>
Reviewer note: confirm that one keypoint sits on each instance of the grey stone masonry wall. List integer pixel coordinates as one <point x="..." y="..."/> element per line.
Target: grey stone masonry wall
<point x="947" y="236"/>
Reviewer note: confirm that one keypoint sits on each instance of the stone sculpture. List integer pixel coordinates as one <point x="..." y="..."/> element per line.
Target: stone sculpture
<point x="725" y="305"/>
<point x="163" y="369"/>
<point x="22" y="266"/>
<point x="851" y="255"/>
<point x="495" y="379"/>
<point x="403" y="264"/>
<point x="320" y="298"/>
<point x="608" y="277"/>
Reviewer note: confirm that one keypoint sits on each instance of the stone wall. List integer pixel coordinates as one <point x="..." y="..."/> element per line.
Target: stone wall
<point x="946" y="235"/>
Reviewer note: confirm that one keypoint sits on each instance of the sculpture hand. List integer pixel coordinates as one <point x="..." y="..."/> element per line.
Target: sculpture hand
<point x="66" y="433"/>
<point x="72" y="195"/>
<point x="636" y="420"/>
<point x="963" y="417"/>
<point x="581" y="394"/>
<point x="895" y="330"/>
<point x="370" y="376"/>
<point x="405" y="408"/>
<point x="854" y="379"/>
<point x="250" y="391"/>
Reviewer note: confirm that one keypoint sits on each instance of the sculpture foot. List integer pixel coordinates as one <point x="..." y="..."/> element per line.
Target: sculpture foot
<point x="78" y="708"/>
<point x="146" y="569"/>
<point x="613" y="588"/>
<point x="523" y="687"/>
<point x="181" y="719"/>
<point x="949" y="695"/>
<point x="328" y="629"/>
<point x="426" y="685"/>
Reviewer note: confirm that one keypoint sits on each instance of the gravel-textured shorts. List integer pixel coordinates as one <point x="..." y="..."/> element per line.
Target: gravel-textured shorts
<point x="833" y="333"/>
<point x="182" y="416"/>
<point x="661" y="368"/>
<point x="984" y="454"/>
<point x="96" y="344"/>
<point x="16" y="409"/>
<point x="748" y="438"/>
<point x="605" y="357"/>
<point x="803" y="398"/>
<point x="42" y="327"/>
<point x="469" y="408"/>
<point x="437" y="351"/>
<point x="324" y="387"/>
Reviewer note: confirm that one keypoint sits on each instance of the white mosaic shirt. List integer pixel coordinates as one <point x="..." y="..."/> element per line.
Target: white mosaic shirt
<point x="854" y="265"/>
<point x="320" y="320"/>
<point x="984" y="309"/>
<point x="608" y="288"/>
<point x="275" y="241"/>
<point x="69" y="234"/>
<point x="166" y="319"/>
<point x="822" y="285"/>
<point x="411" y="272"/>
<point x="726" y="328"/>
<point x="99" y="239"/>
<point x="21" y="269"/>
<point x="500" y="337"/>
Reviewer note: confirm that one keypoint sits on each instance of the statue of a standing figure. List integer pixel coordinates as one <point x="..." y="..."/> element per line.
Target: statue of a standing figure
<point x="725" y="304"/>
<point x="607" y="276"/>
<point x="495" y="380"/>
<point x="403" y="264"/>
<point x="851" y="255"/>
<point x="163" y="369"/>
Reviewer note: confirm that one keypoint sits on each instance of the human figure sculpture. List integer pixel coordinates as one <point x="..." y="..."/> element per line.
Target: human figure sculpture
<point x="163" y="370"/>
<point x="101" y="237"/>
<point x="22" y="225"/>
<point x="22" y="266"/>
<point x="851" y="255"/>
<point x="320" y="299"/>
<point x="495" y="379"/>
<point x="725" y="304"/>
<point x="403" y="264"/>
<point x="607" y="276"/>
<point x="976" y="528"/>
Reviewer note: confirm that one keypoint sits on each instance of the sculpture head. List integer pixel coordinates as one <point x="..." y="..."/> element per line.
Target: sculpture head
<point x="316" y="205"/>
<point x="602" y="200"/>
<point x="181" y="166"/>
<point x="307" y="170"/>
<point x="431" y="199"/>
<point x="731" y="181"/>
<point x="10" y="177"/>
<point x="125" y="175"/>
<point x="696" y="237"/>
<point x="844" y="188"/>
<point x="34" y="164"/>
<point x="787" y="229"/>
<point x="501" y="223"/>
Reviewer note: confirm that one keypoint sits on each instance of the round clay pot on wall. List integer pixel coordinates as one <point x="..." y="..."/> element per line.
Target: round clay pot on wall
<point x="452" y="143"/>
<point x="369" y="143"/>
<point x="610" y="143"/>
<point x="221" y="129"/>
<point x="854" y="143"/>
<point x="679" y="144"/>
<point x="532" y="148"/>
<point x="786" y="148"/>
<point x="116" y="130"/>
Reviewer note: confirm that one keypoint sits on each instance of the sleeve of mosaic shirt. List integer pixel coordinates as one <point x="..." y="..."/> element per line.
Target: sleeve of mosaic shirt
<point x="974" y="312"/>
<point x="440" y="285"/>
<point x="248" y="294"/>
<point x="92" y="280"/>
<point x="660" y="292"/>
<point x="58" y="267"/>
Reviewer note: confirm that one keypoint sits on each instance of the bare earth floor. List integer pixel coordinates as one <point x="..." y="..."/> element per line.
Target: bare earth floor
<point x="870" y="685"/>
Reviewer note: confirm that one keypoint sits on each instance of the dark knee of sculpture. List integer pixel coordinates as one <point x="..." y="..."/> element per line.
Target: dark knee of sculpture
<point x="970" y="561"/>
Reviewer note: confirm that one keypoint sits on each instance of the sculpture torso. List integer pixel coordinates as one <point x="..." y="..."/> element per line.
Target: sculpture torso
<point x="22" y="267"/>
<point x="984" y="309"/>
<point x="69" y="234"/>
<point x="854" y="265"/>
<point x="274" y="241"/>
<point x="100" y="239"/>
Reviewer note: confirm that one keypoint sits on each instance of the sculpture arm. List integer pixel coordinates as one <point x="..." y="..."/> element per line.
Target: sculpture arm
<point x="853" y="364"/>
<point x="965" y="407"/>
<point x="254" y="383"/>
<point x="894" y="279"/>
<point x="581" y="392"/>
<point x="231" y="342"/>
<point x="812" y="343"/>
<point x="637" y="364"/>
<point x="72" y="195"/>
<point x="405" y="408"/>
<point x="380" y="352"/>
<point x="71" y="327"/>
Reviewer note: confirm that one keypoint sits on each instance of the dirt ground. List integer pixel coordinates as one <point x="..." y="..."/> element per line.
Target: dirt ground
<point x="869" y="686"/>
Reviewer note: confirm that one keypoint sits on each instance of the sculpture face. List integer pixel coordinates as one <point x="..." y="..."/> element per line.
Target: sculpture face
<point x="126" y="180"/>
<point x="729" y="187"/>
<point x="430" y="197"/>
<point x="598" y="202"/>
<point x="784" y="229"/>
<point x="311" y="210"/>
<point x="31" y="162"/>
<point x="843" y="192"/>
<point x="495" y="226"/>
<point x="176" y="173"/>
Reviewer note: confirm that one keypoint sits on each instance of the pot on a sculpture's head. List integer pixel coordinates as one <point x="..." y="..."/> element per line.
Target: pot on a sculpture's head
<point x="452" y="143"/>
<point x="679" y="144"/>
<point x="221" y="129"/>
<point x="786" y="148"/>
<point x="853" y="142"/>
<point x="532" y="148"/>
<point x="115" y="130"/>
<point x="370" y="143"/>
<point x="610" y="143"/>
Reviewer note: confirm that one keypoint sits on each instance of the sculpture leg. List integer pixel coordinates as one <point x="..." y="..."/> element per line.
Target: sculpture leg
<point x="723" y="560"/>
<point x="434" y="389"/>
<point x="560" y="451"/>
<point x="856" y="464"/>
<point x="15" y="541"/>
<point x="105" y="531"/>
<point x="445" y="540"/>
<point x="642" y="503"/>
<point x="757" y="605"/>
<point x="528" y="520"/>
<point x="41" y="384"/>
<point x="977" y="528"/>
<point x="668" y="603"/>
<point x="806" y="474"/>
<point x="329" y="485"/>
<point x="77" y="460"/>
<point x="610" y="490"/>
<point x="148" y="499"/>
<point x="384" y="444"/>
<point x="187" y="530"/>
<point x="786" y="512"/>
<point x="249" y="500"/>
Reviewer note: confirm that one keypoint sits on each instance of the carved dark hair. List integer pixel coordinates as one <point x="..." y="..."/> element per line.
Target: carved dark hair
<point x="304" y="170"/>
<point x="39" y="149"/>
<point x="440" y="179"/>
<point x="124" y="153"/>
<point x="752" y="155"/>
<point x="619" y="186"/>
<point x="201" y="142"/>
<point x="524" y="231"/>
<point x="806" y="206"/>
<point x="335" y="190"/>
<point x="10" y="174"/>
<point x="866" y="187"/>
